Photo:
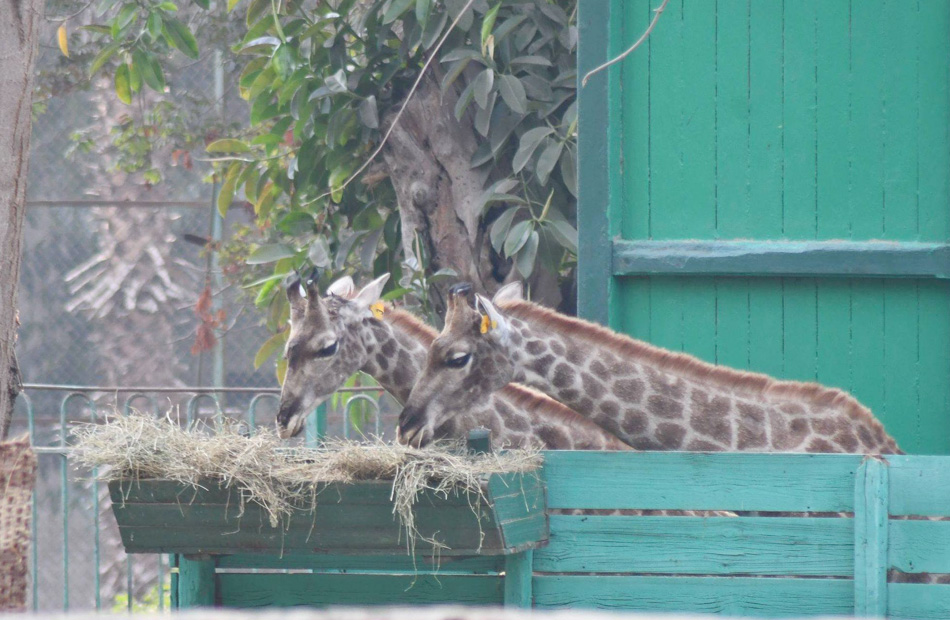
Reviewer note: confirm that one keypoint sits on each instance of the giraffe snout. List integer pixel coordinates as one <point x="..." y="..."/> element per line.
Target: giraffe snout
<point x="411" y="429"/>
<point x="289" y="419"/>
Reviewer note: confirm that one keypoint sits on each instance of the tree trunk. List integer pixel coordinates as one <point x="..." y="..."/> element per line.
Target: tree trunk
<point x="19" y="23"/>
<point x="428" y="159"/>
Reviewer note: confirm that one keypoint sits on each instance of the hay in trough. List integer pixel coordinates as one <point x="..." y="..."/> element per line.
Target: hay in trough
<point x="283" y="479"/>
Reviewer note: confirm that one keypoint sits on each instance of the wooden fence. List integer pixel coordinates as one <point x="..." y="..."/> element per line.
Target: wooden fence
<point x="834" y="561"/>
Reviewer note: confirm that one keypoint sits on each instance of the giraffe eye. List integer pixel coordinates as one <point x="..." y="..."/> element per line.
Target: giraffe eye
<point x="457" y="360"/>
<point x="328" y="350"/>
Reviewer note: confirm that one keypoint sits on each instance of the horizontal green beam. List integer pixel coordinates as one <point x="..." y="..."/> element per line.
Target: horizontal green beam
<point x="881" y="259"/>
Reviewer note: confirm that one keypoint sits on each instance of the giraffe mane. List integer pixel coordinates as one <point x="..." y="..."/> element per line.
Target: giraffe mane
<point x="528" y="399"/>
<point x="411" y="324"/>
<point x="690" y="367"/>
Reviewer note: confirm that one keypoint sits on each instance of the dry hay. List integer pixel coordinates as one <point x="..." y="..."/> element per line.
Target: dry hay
<point x="282" y="479"/>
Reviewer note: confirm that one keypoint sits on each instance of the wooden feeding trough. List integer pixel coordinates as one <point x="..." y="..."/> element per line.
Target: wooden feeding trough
<point x="353" y="531"/>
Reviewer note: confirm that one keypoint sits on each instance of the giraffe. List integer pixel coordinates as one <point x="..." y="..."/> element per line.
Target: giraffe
<point x="331" y="338"/>
<point x="651" y="398"/>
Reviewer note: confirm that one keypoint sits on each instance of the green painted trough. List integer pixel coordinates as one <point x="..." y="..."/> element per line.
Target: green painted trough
<point x="158" y="516"/>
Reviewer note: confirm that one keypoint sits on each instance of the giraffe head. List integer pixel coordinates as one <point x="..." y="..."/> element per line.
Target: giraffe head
<point x="326" y="345"/>
<point x="465" y="364"/>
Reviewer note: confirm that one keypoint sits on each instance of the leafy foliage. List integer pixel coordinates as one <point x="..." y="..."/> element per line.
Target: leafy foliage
<point x="324" y="81"/>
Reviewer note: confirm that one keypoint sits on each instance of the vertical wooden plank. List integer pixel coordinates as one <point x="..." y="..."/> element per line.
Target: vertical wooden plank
<point x="173" y="581"/>
<point x="901" y="412"/>
<point x="900" y="119"/>
<point x="866" y="126"/>
<point x="733" y="322"/>
<point x="867" y="343"/>
<point x="870" y="539"/>
<point x="633" y="296"/>
<point x="832" y="97"/>
<point x="800" y="121"/>
<point x="766" y="318"/>
<point x="518" y="574"/>
<point x="800" y="329"/>
<point x="635" y="75"/>
<point x="699" y="317"/>
<point x="933" y="129"/>
<point x="196" y="583"/>
<point x="666" y="312"/>
<point x="666" y="118"/>
<point x="933" y="338"/>
<point x="834" y="333"/>
<point x="766" y="192"/>
<point x="694" y="215"/>
<point x="732" y="120"/>
<point x="766" y="99"/>
<point x="594" y="273"/>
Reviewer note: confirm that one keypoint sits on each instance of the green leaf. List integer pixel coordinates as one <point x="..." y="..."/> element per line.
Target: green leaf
<point x="179" y="36"/>
<point x="167" y="6"/>
<point x="500" y="228"/>
<point x="513" y="93"/>
<point x="271" y="346"/>
<point x="483" y="116"/>
<point x="150" y="69"/>
<point x="525" y="259"/>
<point x="122" y="84"/>
<point x="423" y="9"/>
<point x="463" y="53"/>
<point x="530" y="141"/>
<point x="569" y="171"/>
<point x="482" y="85"/>
<point x="284" y="61"/>
<point x="228" y="145"/>
<point x="488" y="23"/>
<point x="203" y="4"/>
<point x="507" y="27"/>
<point x="548" y="160"/>
<point x="336" y="83"/>
<point x="396" y="8"/>
<point x="226" y="193"/>
<point x="127" y="15"/>
<point x="539" y="61"/>
<point x="135" y="78"/>
<point x="517" y="237"/>
<point x="154" y="25"/>
<point x="369" y="115"/>
<point x="270" y="253"/>
<point x="232" y="4"/>
<point x="319" y="252"/>
<point x="565" y="234"/>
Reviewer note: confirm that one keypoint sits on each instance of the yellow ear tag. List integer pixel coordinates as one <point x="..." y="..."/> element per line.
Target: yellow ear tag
<point x="378" y="309"/>
<point x="487" y="324"/>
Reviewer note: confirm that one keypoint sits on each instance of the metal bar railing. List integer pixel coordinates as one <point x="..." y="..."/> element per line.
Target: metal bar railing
<point x="82" y="403"/>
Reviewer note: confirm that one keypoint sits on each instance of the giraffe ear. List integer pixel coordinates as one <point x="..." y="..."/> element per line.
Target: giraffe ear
<point x="369" y="294"/>
<point x="513" y="291"/>
<point x="344" y="287"/>
<point x="493" y="321"/>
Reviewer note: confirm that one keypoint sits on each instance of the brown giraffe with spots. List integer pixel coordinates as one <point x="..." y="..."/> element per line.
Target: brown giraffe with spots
<point x="651" y="398"/>
<point x="331" y="338"/>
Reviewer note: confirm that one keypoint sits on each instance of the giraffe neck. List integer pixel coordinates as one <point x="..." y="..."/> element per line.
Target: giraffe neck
<point x="660" y="400"/>
<point x="396" y="351"/>
<point x="517" y="416"/>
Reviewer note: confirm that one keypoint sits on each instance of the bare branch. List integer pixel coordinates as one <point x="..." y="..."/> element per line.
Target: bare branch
<point x="658" y="11"/>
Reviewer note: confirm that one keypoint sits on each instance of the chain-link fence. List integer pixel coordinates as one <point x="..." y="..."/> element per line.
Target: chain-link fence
<point x="113" y="268"/>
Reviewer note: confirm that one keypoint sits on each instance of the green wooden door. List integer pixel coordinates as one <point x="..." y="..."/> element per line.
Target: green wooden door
<point x="767" y="185"/>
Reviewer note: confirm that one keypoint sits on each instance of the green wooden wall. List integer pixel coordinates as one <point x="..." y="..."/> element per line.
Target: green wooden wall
<point x="769" y="122"/>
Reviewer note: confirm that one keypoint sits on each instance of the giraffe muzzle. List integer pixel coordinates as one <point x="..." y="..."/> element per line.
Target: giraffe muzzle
<point x="411" y="429"/>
